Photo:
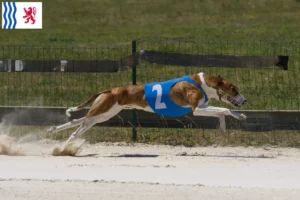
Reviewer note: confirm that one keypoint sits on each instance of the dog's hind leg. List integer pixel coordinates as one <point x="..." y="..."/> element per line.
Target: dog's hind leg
<point x="87" y="123"/>
<point x="90" y="121"/>
<point x="70" y="124"/>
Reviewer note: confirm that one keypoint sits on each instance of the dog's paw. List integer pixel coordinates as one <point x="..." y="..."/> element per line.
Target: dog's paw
<point x="222" y="128"/>
<point x="242" y="117"/>
<point x="222" y="131"/>
<point x="51" y="129"/>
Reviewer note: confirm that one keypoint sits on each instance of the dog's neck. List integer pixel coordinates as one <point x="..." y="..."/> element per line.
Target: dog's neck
<point x="211" y="92"/>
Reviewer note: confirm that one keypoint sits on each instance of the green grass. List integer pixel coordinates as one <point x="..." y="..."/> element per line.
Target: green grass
<point x="114" y="21"/>
<point x="186" y="137"/>
<point x="78" y="29"/>
<point x="265" y="88"/>
<point x="70" y="89"/>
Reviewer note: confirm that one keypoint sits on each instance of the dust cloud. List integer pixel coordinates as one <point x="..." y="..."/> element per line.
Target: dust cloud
<point x="29" y="141"/>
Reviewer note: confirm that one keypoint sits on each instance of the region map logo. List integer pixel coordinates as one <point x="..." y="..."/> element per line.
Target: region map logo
<point x="22" y="15"/>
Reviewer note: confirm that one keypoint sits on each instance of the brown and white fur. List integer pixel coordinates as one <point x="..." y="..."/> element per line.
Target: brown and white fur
<point x="110" y="102"/>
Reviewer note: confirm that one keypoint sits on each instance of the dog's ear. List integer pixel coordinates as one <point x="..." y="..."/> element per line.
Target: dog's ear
<point x="214" y="81"/>
<point x="219" y="80"/>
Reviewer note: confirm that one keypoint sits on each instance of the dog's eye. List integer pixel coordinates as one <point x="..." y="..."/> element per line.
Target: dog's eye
<point x="234" y="89"/>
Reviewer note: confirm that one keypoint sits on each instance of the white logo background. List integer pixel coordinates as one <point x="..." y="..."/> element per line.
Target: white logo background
<point x="20" y="21"/>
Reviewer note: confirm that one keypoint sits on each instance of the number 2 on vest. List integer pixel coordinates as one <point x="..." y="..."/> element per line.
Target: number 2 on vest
<point x="158" y="103"/>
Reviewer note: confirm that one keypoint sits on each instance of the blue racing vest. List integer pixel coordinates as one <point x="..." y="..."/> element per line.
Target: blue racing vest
<point x="158" y="98"/>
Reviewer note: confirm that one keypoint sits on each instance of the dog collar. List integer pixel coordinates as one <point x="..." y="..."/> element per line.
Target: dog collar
<point x="201" y="88"/>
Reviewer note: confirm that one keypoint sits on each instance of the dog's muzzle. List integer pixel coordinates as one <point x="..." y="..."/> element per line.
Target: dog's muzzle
<point x="238" y="101"/>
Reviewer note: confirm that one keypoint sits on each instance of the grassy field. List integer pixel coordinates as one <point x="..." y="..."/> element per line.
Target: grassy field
<point x="187" y="137"/>
<point x="78" y="29"/>
<point x="114" y="21"/>
<point x="265" y="88"/>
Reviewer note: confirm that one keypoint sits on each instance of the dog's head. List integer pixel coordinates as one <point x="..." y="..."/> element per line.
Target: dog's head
<point x="227" y="91"/>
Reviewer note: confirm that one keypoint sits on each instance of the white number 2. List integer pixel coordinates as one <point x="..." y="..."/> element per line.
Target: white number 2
<point x="158" y="103"/>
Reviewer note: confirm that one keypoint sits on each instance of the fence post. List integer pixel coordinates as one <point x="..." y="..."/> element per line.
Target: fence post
<point x="134" y="118"/>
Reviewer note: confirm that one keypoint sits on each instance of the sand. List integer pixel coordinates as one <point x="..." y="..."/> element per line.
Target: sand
<point x="138" y="171"/>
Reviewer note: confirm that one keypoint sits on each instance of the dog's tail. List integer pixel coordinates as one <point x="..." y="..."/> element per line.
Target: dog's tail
<point x="87" y="102"/>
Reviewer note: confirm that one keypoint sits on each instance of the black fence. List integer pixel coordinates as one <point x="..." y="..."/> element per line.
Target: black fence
<point x="51" y="78"/>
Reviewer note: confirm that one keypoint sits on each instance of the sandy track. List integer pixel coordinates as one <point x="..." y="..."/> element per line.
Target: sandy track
<point x="104" y="171"/>
<point x="31" y="190"/>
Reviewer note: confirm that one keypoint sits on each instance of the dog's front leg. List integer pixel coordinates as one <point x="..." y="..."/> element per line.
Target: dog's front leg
<point x="216" y="111"/>
<point x="211" y="111"/>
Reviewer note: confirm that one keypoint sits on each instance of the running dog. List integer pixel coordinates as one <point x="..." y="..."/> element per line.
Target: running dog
<point x="171" y="98"/>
